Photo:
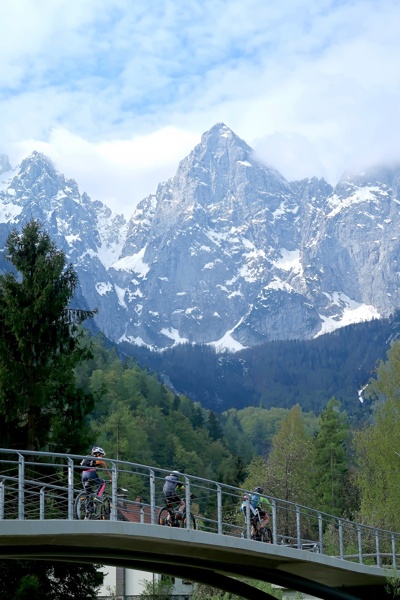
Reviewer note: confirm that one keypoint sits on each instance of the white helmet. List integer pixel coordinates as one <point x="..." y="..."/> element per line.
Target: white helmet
<point x="98" y="450"/>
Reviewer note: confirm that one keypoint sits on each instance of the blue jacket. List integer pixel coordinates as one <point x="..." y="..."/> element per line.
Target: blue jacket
<point x="255" y="500"/>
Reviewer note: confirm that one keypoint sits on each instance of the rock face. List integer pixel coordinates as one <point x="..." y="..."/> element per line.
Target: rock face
<point x="226" y="252"/>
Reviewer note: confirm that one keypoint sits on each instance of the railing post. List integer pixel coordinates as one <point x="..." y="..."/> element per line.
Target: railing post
<point x="219" y="509"/>
<point x="2" y="499"/>
<point x="274" y="523"/>
<point x="394" y="552"/>
<point x="298" y="527"/>
<point x="152" y="496"/>
<point x="41" y="503"/>
<point x="114" y="495"/>
<point x="341" y="553"/>
<point x="360" y="556"/>
<point x="320" y="532"/>
<point x="248" y="517"/>
<point x="21" y="487"/>
<point x="378" y="553"/>
<point x="187" y="502"/>
<point x="70" y="489"/>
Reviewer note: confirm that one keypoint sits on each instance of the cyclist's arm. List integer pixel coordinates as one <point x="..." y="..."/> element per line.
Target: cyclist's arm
<point x="266" y="501"/>
<point x="102" y="465"/>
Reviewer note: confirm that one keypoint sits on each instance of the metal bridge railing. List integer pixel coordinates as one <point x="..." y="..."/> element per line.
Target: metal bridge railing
<point x="41" y="485"/>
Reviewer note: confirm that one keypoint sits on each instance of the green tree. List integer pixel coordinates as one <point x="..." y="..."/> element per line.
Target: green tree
<point x="214" y="426"/>
<point x="288" y="468"/>
<point x="39" y="346"/>
<point x="31" y="580"/>
<point x="289" y="463"/>
<point x="157" y="588"/>
<point x="377" y="447"/>
<point x="205" y="592"/>
<point x="40" y="404"/>
<point x="331" y="462"/>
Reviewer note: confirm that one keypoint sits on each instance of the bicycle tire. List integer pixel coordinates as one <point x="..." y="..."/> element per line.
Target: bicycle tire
<point x="105" y="509"/>
<point x="79" y="507"/>
<point x="267" y="536"/>
<point x="162" y="517"/>
<point x="193" y="524"/>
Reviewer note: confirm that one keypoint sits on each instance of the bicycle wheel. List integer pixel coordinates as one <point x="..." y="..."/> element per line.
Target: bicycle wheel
<point x="105" y="509"/>
<point x="164" y="517"/>
<point x="79" y="508"/>
<point x="193" y="524"/>
<point x="266" y="536"/>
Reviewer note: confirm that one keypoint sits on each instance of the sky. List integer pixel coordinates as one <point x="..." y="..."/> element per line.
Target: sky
<point x="117" y="92"/>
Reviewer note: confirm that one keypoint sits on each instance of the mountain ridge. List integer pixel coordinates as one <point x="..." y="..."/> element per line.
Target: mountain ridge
<point x="227" y="252"/>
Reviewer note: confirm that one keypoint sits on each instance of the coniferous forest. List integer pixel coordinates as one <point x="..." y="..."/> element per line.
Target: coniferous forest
<point x="279" y="373"/>
<point x="52" y="371"/>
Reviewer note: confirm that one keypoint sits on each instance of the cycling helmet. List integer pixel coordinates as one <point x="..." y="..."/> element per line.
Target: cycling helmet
<point x="259" y="489"/>
<point x="98" y="450"/>
<point x="175" y="473"/>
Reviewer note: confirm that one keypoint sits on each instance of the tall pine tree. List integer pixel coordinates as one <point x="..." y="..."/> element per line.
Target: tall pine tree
<point x="40" y="405"/>
<point x="332" y="460"/>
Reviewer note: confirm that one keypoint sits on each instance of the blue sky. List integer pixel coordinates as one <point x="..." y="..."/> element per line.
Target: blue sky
<point x="118" y="92"/>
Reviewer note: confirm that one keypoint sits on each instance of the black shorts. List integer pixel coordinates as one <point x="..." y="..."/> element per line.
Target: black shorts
<point x="172" y="499"/>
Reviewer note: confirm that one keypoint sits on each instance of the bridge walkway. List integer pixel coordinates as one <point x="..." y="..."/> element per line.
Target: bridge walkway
<point x="37" y="492"/>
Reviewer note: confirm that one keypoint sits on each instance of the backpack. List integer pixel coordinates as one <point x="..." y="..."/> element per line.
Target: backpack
<point x="89" y="462"/>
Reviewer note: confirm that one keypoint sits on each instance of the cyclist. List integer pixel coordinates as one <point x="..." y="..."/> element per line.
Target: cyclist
<point x="90" y="476"/>
<point x="255" y="500"/>
<point x="170" y="487"/>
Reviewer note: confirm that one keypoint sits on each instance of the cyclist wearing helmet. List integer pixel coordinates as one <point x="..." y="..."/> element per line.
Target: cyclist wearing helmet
<point x="90" y="476"/>
<point x="170" y="487"/>
<point x="255" y="500"/>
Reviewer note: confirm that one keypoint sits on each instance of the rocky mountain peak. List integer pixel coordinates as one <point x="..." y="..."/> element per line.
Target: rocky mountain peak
<point x="227" y="252"/>
<point x="37" y="161"/>
<point x="221" y="137"/>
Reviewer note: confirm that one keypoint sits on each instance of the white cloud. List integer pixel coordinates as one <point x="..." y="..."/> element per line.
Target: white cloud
<point x="118" y="172"/>
<point x="117" y="92"/>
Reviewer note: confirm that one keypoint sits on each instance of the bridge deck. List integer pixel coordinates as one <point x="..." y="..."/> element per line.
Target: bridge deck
<point x="135" y="545"/>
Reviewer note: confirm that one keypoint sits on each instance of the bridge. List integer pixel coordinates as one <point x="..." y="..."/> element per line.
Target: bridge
<point x="313" y="552"/>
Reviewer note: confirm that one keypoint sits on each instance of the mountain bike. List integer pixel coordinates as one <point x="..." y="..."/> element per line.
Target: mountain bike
<point x="171" y="516"/>
<point x="91" y="506"/>
<point x="258" y="533"/>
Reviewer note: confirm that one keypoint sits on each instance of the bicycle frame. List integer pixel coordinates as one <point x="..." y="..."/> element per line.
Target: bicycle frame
<point x="172" y="516"/>
<point x="174" y="511"/>
<point x="95" y="504"/>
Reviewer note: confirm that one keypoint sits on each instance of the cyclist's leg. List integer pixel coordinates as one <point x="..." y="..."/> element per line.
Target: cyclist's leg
<point x="181" y="510"/>
<point x="165" y="516"/>
<point x="87" y="486"/>
<point x="264" y="520"/>
<point x="101" y="486"/>
<point x="172" y="502"/>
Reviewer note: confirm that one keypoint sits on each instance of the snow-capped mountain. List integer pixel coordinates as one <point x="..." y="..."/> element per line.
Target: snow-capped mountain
<point x="227" y="252"/>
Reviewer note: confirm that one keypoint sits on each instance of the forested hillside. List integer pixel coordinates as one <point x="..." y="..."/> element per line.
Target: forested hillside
<point x="278" y="374"/>
<point x="139" y="419"/>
